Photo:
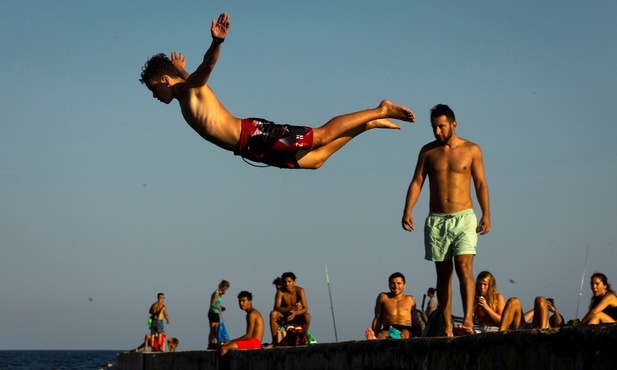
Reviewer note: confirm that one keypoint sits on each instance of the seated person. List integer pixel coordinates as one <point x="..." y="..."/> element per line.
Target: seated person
<point x="393" y="312"/>
<point x="154" y="342"/>
<point x="254" y="327"/>
<point x="513" y="317"/>
<point x="603" y="306"/>
<point x="488" y="306"/>
<point x="290" y="307"/>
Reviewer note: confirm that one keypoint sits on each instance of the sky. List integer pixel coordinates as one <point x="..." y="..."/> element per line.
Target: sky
<point x="107" y="197"/>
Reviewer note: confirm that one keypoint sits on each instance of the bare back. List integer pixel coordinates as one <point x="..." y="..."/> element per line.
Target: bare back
<point x="254" y="324"/>
<point x="395" y="310"/>
<point x="449" y="170"/>
<point x="208" y="117"/>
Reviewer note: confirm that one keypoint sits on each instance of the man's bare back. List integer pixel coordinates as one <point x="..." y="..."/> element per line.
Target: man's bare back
<point x="254" y="324"/>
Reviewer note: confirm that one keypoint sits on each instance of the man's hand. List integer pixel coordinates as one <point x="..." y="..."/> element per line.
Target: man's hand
<point x="220" y="27"/>
<point x="484" y="226"/>
<point x="408" y="223"/>
<point x="178" y="60"/>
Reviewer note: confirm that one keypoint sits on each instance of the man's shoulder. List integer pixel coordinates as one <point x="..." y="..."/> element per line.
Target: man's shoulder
<point x="255" y="314"/>
<point x="430" y="146"/>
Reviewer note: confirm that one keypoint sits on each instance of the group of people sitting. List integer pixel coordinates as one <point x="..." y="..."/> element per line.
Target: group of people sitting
<point x="396" y="315"/>
<point x="289" y="319"/>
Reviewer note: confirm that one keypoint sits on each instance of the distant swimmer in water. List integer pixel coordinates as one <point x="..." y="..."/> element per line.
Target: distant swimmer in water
<point x="256" y="139"/>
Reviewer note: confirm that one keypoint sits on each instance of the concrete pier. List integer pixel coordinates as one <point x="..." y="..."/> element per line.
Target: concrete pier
<point x="589" y="347"/>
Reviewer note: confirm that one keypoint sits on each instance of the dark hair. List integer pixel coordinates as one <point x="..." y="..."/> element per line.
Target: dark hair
<point x="395" y="275"/>
<point x="442" y="110"/>
<point x="246" y="294"/>
<point x="288" y="275"/>
<point x="431" y="290"/>
<point x="157" y="67"/>
<point x="159" y="295"/>
<point x="278" y="281"/>
<point x="600" y="276"/>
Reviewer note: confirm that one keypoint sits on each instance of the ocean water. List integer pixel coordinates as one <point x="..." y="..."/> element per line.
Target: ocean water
<point x="58" y="360"/>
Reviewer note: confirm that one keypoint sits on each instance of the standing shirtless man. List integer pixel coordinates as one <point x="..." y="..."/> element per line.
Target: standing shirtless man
<point x="256" y="139"/>
<point x="392" y="311"/>
<point x="157" y="311"/>
<point x="290" y="306"/>
<point x="450" y="231"/>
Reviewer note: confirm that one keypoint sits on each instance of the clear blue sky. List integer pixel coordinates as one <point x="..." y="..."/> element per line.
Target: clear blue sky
<point x="106" y="194"/>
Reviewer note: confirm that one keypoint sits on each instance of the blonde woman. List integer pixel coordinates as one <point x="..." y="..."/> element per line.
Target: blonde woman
<point x="488" y="307"/>
<point x="214" y="313"/>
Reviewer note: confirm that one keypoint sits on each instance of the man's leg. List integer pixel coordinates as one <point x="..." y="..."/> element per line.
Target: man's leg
<point x="274" y="326"/>
<point x="226" y="348"/>
<point x="512" y="315"/>
<point x="464" y="270"/>
<point x="540" y="313"/>
<point x="307" y="322"/>
<point x="444" y="293"/>
<point x="337" y="132"/>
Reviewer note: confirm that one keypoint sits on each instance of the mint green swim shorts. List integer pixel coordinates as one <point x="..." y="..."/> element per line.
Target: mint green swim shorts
<point x="450" y="234"/>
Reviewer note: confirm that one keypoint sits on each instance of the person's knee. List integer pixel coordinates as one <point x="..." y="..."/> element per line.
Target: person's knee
<point x="541" y="302"/>
<point x="275" y="315"/>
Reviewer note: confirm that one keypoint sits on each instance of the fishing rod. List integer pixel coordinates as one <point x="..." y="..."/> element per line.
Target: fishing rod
<point x="331" y="305"/>
<point x="580" y="292"/>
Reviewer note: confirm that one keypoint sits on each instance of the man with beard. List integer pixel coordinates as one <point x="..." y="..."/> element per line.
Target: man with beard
<point x="393" y="312"/>
<point x="450" y="231"/>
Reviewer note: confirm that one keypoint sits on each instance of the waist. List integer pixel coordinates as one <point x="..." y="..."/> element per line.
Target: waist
<point x="455" y="214"/>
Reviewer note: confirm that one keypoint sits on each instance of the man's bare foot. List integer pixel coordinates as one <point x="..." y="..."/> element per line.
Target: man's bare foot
<point x="382" y="123"/>
<point x="396" y="111"/>
<point x="461" y="330"/>
<point x="370" y="334"/>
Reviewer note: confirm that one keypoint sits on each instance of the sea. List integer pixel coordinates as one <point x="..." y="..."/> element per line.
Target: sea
<point x="58" y="360"/>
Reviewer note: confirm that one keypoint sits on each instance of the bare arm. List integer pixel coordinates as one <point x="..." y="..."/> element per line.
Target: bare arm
<point x="278" y="303"/>
<point x="165" y="314"/>
<point x="608" y="300"/>
<point x="495" y="314"/>
<point x="413" y="193"/>
<point x="558" y="321"/>
<point x="219" y="30"/>
<point x="377" y="320"/>
<point x="215" y="295"/>
<point x="304" y="308"/>
<point x="479" y="181"/>
<point x="527" y="316"/>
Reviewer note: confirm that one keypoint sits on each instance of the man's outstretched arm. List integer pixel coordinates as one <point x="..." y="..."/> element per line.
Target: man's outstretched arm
<point x="219" y="31"/>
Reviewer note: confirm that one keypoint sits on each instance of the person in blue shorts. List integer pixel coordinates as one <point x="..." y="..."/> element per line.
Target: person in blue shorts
<point x="450" y="232"/>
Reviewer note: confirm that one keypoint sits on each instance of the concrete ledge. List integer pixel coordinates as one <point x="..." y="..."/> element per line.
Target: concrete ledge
<point x="589" y="347"/>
